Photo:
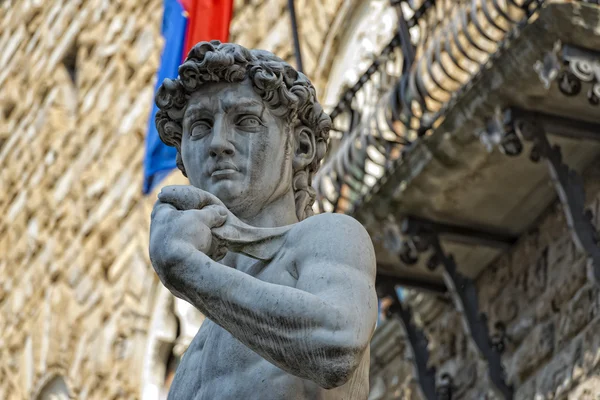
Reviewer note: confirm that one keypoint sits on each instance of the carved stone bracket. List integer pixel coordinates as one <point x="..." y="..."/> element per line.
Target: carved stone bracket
<point x="571" y="67"/>
<point x="582" y="65"/>
<point x="416" y="338"/>
<point x="464" y="294"/>
<point x="568" y="184"/>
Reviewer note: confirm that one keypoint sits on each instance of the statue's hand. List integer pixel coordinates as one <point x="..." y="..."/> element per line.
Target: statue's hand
<point x="233" y="234"/>
<point x="176" y="234"/>
<point x="186" y="197"/>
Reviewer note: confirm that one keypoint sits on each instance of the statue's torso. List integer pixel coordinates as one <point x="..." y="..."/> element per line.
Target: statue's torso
<point x="217" y="366"/>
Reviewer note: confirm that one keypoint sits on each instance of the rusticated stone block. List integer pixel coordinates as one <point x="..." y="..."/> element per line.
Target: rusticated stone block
<point x="545" y="306"/>
<point x="591" y="347"/>
<point x="554" y="227"/>
<point x="566" y="272"/>
<point x="533" y="351"/>
<point x="561" y="252"/>
<point x="507" y="306"/>
<point x="445" y="338"/>
<point x="495" y="279"/>
<point x="525" y="254"/>
<point x="519" y="330"/>
<point x="526" y="391"/>
<point x="537" y="276"/>
<point x="556" y="378"/>
<point x="579" y="312"/>
<point x="528" y="286"/>
<point x="587" y="390"/>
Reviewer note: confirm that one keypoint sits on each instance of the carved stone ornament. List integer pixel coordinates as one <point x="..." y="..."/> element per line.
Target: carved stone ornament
<point x="583" y="66"/>
<point x="289" y="297"/>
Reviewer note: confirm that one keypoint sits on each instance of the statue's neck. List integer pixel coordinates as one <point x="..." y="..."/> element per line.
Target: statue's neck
<point x="279" y="212"/>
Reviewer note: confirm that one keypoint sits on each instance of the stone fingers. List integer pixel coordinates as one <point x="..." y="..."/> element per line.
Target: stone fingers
<point x="161" y="208"/>
<point x="182" y="198"/>
<point x="187" y="197"/>
<point x="212" y="216"/>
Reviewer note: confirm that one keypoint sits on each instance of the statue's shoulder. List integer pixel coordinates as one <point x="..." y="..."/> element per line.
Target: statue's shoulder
<point x="330" y="228"/>
<point x="332" y="238"/>
<point x="327" y="219"/>
<point x="332" y="218"/>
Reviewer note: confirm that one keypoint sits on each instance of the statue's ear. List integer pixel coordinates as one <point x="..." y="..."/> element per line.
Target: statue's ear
<point x="306" y="148"/>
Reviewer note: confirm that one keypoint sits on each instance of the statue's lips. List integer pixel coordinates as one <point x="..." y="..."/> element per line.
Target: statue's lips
<point x="223" y="169"/>
<point x="223" y="172"/>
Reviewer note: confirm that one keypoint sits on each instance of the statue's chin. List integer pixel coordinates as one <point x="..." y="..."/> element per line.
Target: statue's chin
<point x="244" y="200"/>
<point x="233" y="199"/>
<point x="226" y="190"/>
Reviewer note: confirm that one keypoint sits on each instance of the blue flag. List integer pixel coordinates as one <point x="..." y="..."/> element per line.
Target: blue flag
<point x="160" y="158"/>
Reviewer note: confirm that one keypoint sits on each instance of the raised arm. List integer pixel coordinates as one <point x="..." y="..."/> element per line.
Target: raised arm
<point x="318" y="330"/>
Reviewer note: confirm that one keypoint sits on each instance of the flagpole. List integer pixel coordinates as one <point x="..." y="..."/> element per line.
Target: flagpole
<point x="297" y="51"/>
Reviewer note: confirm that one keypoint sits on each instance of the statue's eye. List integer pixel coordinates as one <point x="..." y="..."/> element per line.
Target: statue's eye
<point x="200" y="128"/>
<point x="249" y="121"/>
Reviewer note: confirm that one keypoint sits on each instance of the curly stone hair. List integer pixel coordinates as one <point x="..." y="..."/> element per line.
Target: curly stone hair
<point x="287" y="93"/>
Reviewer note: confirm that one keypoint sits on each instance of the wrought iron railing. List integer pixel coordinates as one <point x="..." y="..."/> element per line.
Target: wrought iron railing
<point x="451" y="41"/>
<point x="356" y="107"/>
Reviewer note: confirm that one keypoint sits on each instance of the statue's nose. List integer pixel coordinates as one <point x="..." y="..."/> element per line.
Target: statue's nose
<point x="220" y="143"/>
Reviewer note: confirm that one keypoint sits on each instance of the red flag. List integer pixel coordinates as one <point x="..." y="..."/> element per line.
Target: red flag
<point x="207" y="20"/>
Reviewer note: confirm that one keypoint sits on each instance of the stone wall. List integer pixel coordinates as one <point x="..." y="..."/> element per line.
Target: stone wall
<point x="76" y="287"/>
<point x="541" y="293"/>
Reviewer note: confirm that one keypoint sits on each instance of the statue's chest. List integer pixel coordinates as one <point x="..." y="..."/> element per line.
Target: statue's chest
<point x="281" y="270"/>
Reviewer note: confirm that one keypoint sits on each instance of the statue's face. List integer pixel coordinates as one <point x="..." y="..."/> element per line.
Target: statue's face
<point x="233" y="147"/>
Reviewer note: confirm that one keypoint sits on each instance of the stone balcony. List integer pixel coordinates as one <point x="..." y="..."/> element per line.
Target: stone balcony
<point x="453" y="177"/>
<point x="452" y="171"/>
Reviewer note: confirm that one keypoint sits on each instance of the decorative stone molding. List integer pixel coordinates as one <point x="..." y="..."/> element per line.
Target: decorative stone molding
<point x="582" y="66"/>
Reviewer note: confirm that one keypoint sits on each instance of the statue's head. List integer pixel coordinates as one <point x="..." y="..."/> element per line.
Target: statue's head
<point x="247" y="126"/>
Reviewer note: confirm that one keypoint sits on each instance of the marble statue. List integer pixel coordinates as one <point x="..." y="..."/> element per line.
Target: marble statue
<point x="289" y="296"/>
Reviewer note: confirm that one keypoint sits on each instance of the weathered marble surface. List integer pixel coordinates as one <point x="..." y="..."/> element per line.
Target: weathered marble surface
<point x="289" y="297"/>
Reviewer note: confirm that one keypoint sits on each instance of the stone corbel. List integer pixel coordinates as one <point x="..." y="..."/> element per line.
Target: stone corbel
<point x="464" y="296"/>
<point x="508" y="129"/>
<point x="568" y="184"/>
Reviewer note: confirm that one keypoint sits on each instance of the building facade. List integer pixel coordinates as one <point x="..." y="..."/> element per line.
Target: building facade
<point x="82" y="314"/>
